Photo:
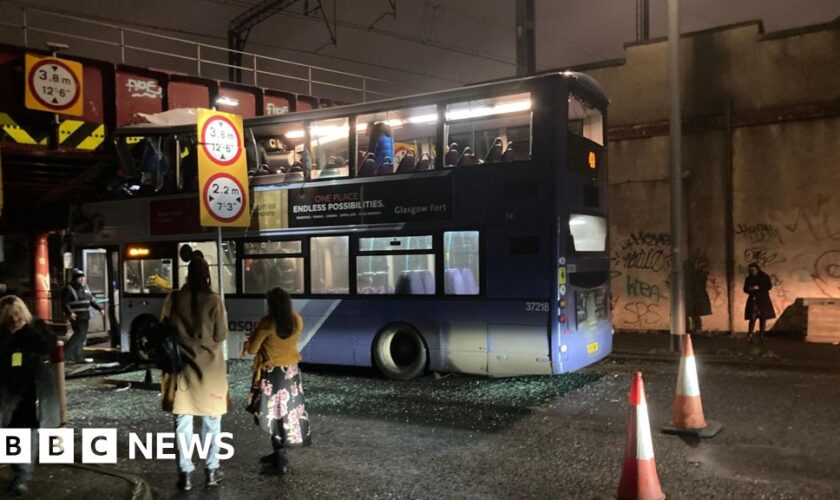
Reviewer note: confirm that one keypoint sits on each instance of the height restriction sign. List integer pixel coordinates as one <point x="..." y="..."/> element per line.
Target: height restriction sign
<point x="54" y="85"/>
<point x="222" y="170"/>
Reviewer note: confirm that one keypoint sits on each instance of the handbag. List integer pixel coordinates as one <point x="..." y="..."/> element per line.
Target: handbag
<point x="166" y="353"/>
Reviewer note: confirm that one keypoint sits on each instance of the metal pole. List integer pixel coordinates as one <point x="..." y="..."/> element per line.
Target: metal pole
<point x="675" y="150"/>
<point x="219" y="268"/>
<point x="255" y="70"/>
<point x="177" y="163"/>
<point x="122" y="45"/>
<point x="25" y="28"/>
<point x="642" y="20"/>
<point x="309" y="72"/>
<point x="198" y="58"/>
<point x="364" y="89"/>
<point x="526" y="58"/>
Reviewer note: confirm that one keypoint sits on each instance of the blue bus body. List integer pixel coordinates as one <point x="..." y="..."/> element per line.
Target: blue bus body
<point x="540" y="303"/>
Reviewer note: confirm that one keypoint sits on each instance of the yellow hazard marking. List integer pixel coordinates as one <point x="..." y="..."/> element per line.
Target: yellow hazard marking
<point x="592" y="348"/>
<point x="17" y="359"/>
<point x="561" y="275"/>
<point x="94" y="140"/>
<point x="66" y="129"/>
<point x="133" y="139"/>
<point x="91" y="142"/>
<point x="15" y="132"/>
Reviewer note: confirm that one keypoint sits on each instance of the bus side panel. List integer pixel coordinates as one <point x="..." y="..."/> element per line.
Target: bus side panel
<point x="587" y="346"/>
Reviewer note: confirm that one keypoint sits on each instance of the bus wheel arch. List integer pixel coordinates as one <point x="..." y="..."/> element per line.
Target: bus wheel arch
<point x="139" y="336"/>
<point x="400" y="352"/>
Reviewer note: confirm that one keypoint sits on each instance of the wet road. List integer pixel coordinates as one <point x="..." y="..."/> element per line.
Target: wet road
<point x="468" y="437"/>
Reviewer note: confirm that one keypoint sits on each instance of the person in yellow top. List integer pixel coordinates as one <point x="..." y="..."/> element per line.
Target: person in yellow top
<point x="277" y="390"/>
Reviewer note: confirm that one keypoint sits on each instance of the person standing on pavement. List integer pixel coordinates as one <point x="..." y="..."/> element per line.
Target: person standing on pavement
<point x="24" y="349"/>
<point x="277" y="389"/>
<point x="77" y="302"/>
<point x="200" y="389"/>
<point x="759" y="307"/>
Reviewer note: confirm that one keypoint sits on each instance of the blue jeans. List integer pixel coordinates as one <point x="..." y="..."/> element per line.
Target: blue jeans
<point x="210" y="427"/>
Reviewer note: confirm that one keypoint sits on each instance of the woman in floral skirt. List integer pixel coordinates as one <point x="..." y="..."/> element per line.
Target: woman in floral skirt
<point x="277" y="392"/>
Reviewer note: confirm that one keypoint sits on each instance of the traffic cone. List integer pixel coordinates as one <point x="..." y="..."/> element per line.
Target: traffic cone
<point x="687" y="417"/>
<point x="639" y="480"/>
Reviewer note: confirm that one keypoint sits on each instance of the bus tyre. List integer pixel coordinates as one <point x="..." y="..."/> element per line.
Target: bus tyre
<point x="139" y="337"/>
<point x="400" y="353"/>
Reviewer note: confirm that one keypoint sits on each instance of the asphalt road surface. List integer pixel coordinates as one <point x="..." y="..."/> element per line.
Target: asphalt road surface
<point x="470" y="437"/>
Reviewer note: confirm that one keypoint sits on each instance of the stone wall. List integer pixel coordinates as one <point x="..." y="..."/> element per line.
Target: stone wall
<point x="761" y="159"/>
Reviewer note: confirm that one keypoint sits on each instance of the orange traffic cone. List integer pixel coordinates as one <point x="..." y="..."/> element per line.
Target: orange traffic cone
<point x="639" y="480"/>
<point x="688" y="408"/>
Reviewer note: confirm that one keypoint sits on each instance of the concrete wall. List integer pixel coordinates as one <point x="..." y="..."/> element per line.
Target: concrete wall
<point x="779" y="160"/>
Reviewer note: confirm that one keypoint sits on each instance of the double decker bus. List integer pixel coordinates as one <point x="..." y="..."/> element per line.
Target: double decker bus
<point x="456" y="231"/>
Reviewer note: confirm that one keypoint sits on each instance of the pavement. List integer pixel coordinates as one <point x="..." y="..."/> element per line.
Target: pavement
<point x="777" y="351"/>
<point x="458" y="436"/>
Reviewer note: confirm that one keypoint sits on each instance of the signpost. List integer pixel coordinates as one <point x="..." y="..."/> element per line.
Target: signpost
<point x="222" y="178"/>
<point x="54" y="85"/>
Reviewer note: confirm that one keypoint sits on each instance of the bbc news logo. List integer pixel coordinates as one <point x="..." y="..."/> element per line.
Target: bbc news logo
<point x="99" y="446"/>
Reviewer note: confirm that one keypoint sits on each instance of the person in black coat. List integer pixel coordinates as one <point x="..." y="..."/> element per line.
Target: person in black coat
<point x="25" y="346"/>
<point x="757" y="286"/>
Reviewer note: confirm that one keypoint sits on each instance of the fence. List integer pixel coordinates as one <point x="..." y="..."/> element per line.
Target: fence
<point x="35" y="27"/>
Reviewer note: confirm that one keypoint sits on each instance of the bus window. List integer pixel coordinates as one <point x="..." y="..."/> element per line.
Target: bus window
<point x="263" y="268"/>
<point x="493" y="130"/>
<point x="585" y="120"/>
<point x="589" y="232"/>
<point x="460" y="262"/>
<point x="383" y="271"/>
<point x="280" y="148"/>
<point x="208" y="248"/>
<point x="396" y="140"/>
<point x="148" y="276"/>
<point x="329" y="262"/>
<point x="330" y="141"/>
<point x="590" y="307"/>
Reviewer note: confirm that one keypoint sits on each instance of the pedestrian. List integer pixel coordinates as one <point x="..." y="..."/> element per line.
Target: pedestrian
<point x="25" y="345"/>
<point x="757" y="286"/>
<point x="200" y="389"/>
<point x="77" y="302"/>
<point x="277" y="389"/>
<point x="697" y="302"/>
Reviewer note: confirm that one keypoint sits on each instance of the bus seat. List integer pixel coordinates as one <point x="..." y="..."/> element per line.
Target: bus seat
<point x="368" y="167"/>
<point x="470" y="285"/>
<point x="385" y="168"/>
<point x="407" y="164"/>
<point x="424" y="164"/>
<point x="453" y="282"/>
<point x="294" y="174"/>
<point x="277" y="162"/>
<point x="452" y="155"/>
<point x="467" y="159"/>
<point x="428" y="282"/>
<point x="495" y="153"/>
<point x="415" y="280"/>
<point x="513" y="154"/>
<point x="331" y="170"/>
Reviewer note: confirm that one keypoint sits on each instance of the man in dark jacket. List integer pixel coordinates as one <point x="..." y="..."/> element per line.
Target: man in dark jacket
<point x="77" y="301"/>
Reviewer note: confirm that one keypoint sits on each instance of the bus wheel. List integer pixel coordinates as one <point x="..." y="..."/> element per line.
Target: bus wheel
<point x="400" y="353"/>
<point x="139" y="337"/>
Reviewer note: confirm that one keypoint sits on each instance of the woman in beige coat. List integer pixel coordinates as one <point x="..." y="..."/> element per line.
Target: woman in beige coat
<point x="201" y="388"/>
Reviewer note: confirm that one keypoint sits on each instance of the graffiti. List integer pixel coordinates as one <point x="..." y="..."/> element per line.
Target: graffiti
<point x="758" y="233"/>
<point x="639" y="288"/>
<point x="642" y="314"/>
<point x="650" y="259"/>
<point x="717" y="297"/>
<point x="762" y="256"/>
<point x="827" y="273"/>
<point x="648" y="239"/>
<point x="821" y="224"/>
<point x="144" y="88"/>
